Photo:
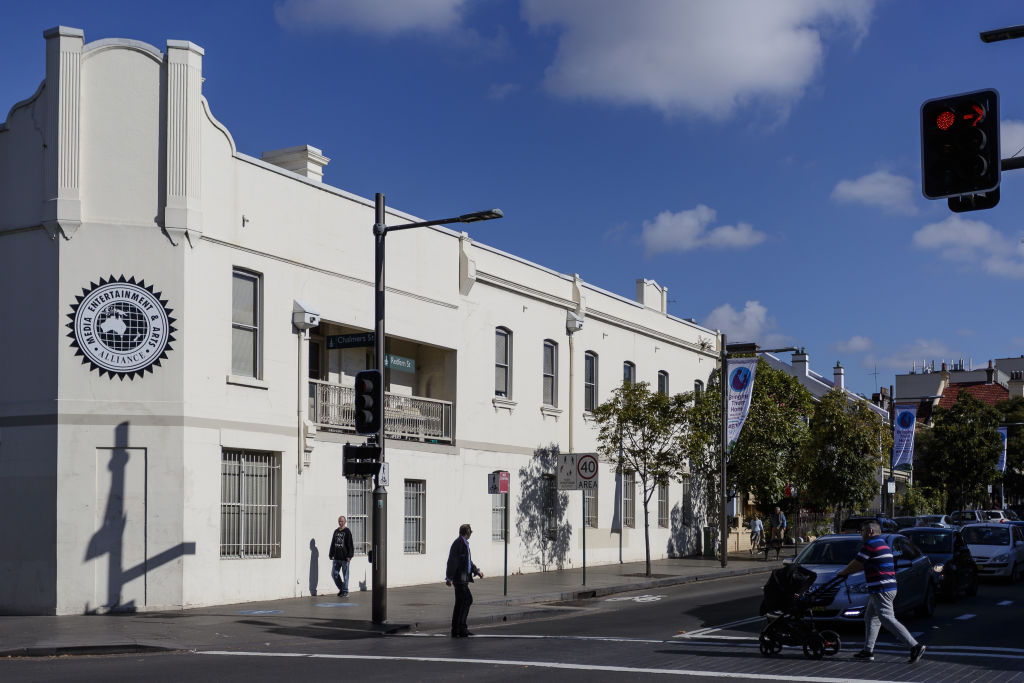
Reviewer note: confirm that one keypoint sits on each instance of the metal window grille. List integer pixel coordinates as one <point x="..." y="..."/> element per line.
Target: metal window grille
<point x="250" y="508"/>
<point x="497" y="516"/>
<point x="589" y="381"/>
<point x="629" y="499"/>
<point x="415" y="516"/>
<point x="663" y="505"/>
<point x="550" y="506"/>
<point x="590" y="508"/>
<point x="686" y="504"/>
<point x="245" y="323"/>
<point x="550" y="373"/>
<point x="628" y="373"/>
<point x="359" y="497"/>
<point x="502" y="363"/>
<point x="663" y="382"/>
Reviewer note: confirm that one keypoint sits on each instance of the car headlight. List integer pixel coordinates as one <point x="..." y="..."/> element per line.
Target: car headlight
<point x="1005" y="557"/>
<point x="938" y="567"/>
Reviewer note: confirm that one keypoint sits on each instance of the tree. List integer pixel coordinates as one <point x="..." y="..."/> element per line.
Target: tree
<point x="1012" y="412"/>
<point x="843" y="453"/>
<point x="639" y="431"/>
<point x="964" y="448"/>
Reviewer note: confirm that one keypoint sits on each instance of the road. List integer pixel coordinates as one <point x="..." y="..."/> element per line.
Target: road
<point x="705" y="631"/>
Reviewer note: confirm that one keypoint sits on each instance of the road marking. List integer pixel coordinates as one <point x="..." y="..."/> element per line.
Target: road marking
<point x="261" y="612"/>
<point x="712" y="629"/>
<point x="964" y="617"/>
<point x="1004" y="603"/>
<point x="637" y="598"/>
<point x="337" y="604"/>
<point x="551" y="665"/>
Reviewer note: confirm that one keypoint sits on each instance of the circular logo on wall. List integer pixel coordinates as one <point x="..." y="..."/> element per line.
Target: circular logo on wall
<point x="121" y="327"/>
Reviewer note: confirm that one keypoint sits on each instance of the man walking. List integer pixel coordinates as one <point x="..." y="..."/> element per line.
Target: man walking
<point x="777" y="521"/>
<point x="342" y="550"/>
<point x="460" y="572"/>
<point x="875" y="558"/>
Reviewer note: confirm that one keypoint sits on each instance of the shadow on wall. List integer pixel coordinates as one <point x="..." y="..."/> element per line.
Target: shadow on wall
<point x="314" y="566"/>
<point x="540" y="523"/>
<point x="119" y="516"/>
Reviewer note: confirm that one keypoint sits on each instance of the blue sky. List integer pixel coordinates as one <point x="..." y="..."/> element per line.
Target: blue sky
<point x="761" y="159"/>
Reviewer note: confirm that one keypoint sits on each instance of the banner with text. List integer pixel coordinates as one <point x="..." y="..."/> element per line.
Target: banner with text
<point x="741" y="388"/>
<point x="903" y="435"/>
<point x="1002" y="456"/>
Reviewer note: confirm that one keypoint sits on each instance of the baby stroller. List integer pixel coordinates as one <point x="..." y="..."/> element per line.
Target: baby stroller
<point x="787" y="604"/>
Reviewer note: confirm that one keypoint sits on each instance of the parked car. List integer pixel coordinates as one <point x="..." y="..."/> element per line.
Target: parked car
<point x="938" y="521"/>
<point x="997" y="548"/>
<point x="915" y="579"/>
<point x="853" y="524"/>
<point x="962" y="517"/>
<point x="1000" y="516"/>
<point x="955" y="569"/>
<point x="905" y="522"/>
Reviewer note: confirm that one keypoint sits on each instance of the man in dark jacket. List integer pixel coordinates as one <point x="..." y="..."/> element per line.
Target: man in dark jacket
<point x="460" y="572"/>
<point x="342" y="550"/>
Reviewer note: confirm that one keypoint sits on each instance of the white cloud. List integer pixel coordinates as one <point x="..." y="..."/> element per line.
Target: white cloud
<point x="973" y="242"/>
<point x="704" y="58"/>
<point x="1011" y="138"/>
<point x="855" y="344"/>
<point x="500" y="91"/>
<point x="752" y="324"/>
<point x="890" y="192"/>
<point x="913" y="355"/>
<point x="688" y="230"/>
<point x="384" y="18"/>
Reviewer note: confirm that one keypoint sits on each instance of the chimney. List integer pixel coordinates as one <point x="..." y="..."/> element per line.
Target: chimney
<point x="990" y="373"/>
<point x="650" y="295"/>
<point x="800" y="362"/>
<point x="1016" y="384"/>
<point x="838" y="376"/>
<point x="305" y="160"/>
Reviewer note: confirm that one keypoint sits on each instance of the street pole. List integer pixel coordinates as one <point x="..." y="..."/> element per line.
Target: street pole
<point x="723" y="522"/>
<point x="379" y="612"/>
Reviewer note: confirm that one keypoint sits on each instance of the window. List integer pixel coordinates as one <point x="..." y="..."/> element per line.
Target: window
<point x="662" y="382"/>
<point x="502" y="363"/>
<point x="415" y="516"/>
<point x="360" y="496"/>
<point x="550" y="374"/>
<point x="628" y="373"/>
<point x="497" y="516"/>
<point x="663" y="505"/>
<point x="589" y="381"/>
<point x="550" y="506"/>
<point x="686" y="505"/>
<point x="629" y="499"/>
<point x="250" y="504"/>
<point x="245" y="323"/>
<point x="590" y="508"/>
<point x="698" y="390"/>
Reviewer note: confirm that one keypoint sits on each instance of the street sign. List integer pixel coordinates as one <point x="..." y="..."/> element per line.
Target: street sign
<point x="399" y="364"/>
<point x="497" y="482"/>
<point x="577" y="471"/>
<point x="350" y="341"/>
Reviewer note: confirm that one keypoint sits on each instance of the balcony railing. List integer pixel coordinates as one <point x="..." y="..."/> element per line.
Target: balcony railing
<point x="332" y="406"/>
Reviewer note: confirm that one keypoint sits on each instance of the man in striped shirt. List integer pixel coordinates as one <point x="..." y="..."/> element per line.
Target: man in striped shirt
<point x="875" y="558"/>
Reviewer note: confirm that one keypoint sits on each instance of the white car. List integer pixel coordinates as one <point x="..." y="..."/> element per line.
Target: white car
<point x="1000" y="516"/>
<point x="998" y="549"/>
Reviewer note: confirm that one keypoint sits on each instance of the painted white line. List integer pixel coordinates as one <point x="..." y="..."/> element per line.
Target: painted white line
<point x="1004" y="603"/>
<point x="964" y="617"/>
<point x="552" y="665"/>
<point x="712" y="629"/>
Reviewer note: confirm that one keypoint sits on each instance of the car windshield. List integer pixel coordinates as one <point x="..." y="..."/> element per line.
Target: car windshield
<point x="904" y="522"/>
<point x="931" y="542"/>
<point x="986" y="535"/>
<point x="931" y="519"/>
<point x="830" y="551"/>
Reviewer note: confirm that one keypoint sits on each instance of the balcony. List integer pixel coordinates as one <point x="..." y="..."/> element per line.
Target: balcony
<point x="331" y="408"/>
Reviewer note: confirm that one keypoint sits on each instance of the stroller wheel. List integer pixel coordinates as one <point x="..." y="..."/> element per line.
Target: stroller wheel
<point x="814" y="646"/>
<point x="769" y="647"/>
<point x="832" y="642"/>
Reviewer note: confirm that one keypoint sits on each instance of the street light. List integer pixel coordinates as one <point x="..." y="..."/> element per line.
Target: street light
<point x="379" y="557"/>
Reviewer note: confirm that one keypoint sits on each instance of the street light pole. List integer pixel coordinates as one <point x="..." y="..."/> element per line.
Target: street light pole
<point x="379" y="541"/>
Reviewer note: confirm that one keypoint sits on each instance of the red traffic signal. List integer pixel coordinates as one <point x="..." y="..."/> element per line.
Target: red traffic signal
<point x="369" y="401"/>
<point x="960" y="144"/>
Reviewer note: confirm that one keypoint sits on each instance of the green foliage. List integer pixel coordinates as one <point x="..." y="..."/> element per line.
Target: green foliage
<point x="843" y="454"/>
<point x="963" y="449"/>
<point x="919" y="500"/>
<point x="1012" y="411"/>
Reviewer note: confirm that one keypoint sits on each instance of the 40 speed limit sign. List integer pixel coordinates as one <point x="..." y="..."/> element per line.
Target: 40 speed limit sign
<point x="577" y="471"/>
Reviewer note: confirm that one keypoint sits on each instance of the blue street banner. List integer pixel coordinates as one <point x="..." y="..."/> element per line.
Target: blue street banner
<point x="1002" y="456"/>
<point x="741" y="388"/>
<point x="903" y="435"/>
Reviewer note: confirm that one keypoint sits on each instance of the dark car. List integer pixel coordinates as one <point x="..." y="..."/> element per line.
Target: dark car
<point x="955" y="569"/>
<point x="853" y="524"/>
<point x="905" y="522"/>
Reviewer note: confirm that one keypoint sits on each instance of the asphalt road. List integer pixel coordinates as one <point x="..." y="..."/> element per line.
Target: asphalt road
<point x="703" y="631"/>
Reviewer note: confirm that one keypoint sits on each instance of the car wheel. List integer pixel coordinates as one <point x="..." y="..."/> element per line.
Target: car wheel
<point x="832" y="642"/>
<point x="768" y="646"/>
<point x="927" y="608"/>
<point x="814" y="646"/>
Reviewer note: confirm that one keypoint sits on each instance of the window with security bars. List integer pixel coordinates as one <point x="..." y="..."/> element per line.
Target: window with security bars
<point x="245" y="323"/>
<point x="629" y="499"/>
<point x="589" y="381"/>
<point x="359" y="497"/>
<point x="497" y="516"/>
<point x="550" y="508"/>
<point x="250" y="504"/>
<point x="686" y="503"/>
<point x="663" y="505"/>
<point x="415" y="516"/>
<point x="590" y="508"/>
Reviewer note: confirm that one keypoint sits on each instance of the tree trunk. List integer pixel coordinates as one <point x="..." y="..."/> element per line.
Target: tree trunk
<point x="647" y="537"/>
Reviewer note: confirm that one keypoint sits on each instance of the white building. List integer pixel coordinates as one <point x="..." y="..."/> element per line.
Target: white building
<point x="168" y="436"/>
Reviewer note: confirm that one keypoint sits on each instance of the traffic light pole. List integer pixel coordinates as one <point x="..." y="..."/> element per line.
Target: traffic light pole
<point x="723" y="532"/>
<point x="379" y="542"/>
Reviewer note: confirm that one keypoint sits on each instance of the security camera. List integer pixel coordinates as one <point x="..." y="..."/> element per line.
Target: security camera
<point x="573" y="322"/>
<point x="303" y="317"/>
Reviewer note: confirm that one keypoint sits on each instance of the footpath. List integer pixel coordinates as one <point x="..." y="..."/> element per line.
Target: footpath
<point x="276" y="624"/>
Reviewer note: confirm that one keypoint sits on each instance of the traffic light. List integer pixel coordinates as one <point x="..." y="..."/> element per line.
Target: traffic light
<point x="960" y="144"/>
<point x="369" y="401"/>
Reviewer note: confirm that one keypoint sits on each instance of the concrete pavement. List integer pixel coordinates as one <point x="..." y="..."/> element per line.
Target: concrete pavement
<point x="291" y="623"/>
